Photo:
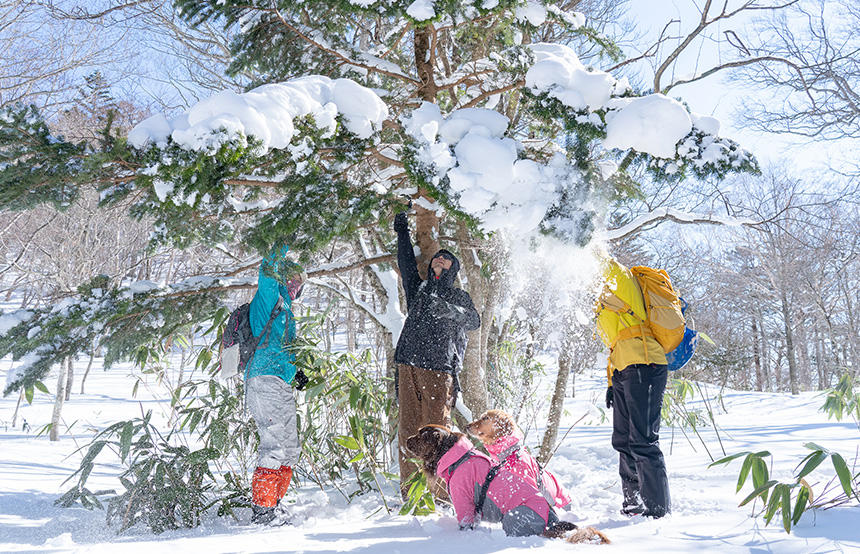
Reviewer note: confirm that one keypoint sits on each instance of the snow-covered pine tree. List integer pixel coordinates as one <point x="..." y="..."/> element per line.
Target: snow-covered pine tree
<point x="477" y="109"/>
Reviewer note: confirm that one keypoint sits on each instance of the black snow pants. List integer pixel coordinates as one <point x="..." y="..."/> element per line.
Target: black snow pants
<point x="637" y="400"/>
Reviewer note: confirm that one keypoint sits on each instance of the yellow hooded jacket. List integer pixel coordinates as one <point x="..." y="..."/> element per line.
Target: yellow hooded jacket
<point x="621" y="322"/>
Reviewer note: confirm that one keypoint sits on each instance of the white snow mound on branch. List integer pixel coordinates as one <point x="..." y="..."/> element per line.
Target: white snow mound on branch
<point x="532" y="12"/>
<point x="557" y="70"/>
<point x="484" y="171"/>
<point x="13" y="319"/>
<point x="267" y="113"/>
<point x="421" y="10"/>
<point x="574" y="19"/>
<point x="654" y="124"/>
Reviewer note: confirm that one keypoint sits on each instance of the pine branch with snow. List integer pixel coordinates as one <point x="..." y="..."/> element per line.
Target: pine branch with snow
<point x="119" y="319"/>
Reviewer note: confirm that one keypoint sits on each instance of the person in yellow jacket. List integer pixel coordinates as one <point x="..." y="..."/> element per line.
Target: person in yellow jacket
<point x="637" y="374"/>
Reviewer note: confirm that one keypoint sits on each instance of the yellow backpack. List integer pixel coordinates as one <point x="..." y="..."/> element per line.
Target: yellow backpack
<point x="662" y="305"/>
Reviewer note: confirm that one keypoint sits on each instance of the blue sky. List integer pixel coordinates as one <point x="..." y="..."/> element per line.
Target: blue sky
<point x="721" y="95"/>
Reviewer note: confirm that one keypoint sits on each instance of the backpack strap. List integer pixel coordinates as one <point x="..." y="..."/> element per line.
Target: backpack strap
<point x="459" y="462"/>
<point x="263" y="341"/>
<point x="503" y="456"/>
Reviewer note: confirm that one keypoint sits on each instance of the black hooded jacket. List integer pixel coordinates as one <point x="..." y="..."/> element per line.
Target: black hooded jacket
<point x="439" y="314"/>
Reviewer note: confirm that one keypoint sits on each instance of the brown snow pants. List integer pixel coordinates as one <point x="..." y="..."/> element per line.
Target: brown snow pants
<point x="426" y="397"/>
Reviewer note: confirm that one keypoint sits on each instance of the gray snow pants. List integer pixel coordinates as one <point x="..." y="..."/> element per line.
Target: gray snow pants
<point x="272" y="404"/>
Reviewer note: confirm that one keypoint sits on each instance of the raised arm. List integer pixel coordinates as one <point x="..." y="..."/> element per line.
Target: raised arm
<point x="406" y="258"/>
<point x="268" y="291"/>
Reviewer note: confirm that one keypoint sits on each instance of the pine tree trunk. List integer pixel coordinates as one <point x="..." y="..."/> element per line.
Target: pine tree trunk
<point x="58" y="403"/>
<point x="556" y="405"/>
<point x="789" y="346"/>
<point x="426" y="221"/>
<point x="350" y="330"/>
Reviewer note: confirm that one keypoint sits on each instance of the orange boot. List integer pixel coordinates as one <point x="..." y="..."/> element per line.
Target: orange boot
<point x="268" y="486"/>
<point x="286" y="474"/>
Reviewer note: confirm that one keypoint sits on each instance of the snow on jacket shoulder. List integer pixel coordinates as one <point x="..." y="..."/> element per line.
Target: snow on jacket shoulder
<point x="519" y="462"/>
<point x="506" y="492"/>
<point x="273" y="358"/>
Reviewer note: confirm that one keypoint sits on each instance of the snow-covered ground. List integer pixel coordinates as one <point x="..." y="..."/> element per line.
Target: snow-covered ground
<point x="705" y="513"/>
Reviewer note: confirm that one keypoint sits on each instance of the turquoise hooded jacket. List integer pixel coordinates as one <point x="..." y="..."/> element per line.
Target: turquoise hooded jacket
<point x="273" y="359"/>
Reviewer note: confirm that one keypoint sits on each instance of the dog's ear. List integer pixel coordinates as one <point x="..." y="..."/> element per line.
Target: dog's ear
<point x="505" y="426"/>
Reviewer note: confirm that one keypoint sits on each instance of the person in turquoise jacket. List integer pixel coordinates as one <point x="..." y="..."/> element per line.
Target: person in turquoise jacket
<point x="269" y="391"/>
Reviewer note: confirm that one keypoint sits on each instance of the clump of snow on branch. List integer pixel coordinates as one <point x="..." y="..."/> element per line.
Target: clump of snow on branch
<point x="421" y="10"/>
<point x="532" y="12"/>
<point x="558" y="71"/>
<point x="653" y="124"/>
<point x="12" y="319"/>
<point x="267" y="113"/>
<point x="482" y="166"/>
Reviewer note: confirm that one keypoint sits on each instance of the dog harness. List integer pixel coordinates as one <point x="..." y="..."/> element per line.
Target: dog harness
<point x="482" y="494"/>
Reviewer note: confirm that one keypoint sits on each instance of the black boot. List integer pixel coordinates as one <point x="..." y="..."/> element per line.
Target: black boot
<point x="262" y="515"/>
<point x="631" y="510"/>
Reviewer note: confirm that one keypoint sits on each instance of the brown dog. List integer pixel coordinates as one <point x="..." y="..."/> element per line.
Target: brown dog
<point x="503" y="440"/>
<point x="511" y="500"/>
<point x="492" y="425"/>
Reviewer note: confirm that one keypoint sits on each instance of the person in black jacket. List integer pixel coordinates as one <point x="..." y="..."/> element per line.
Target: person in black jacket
<point x="432" y="344"/>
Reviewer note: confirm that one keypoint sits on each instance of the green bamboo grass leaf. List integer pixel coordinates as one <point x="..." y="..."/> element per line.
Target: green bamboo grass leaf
<point x="759" y="472"/>
<point x="800" y="505"/>
<point x="347" y="442"/>
<point x="28" y="395"/>
<point x="843" y="473"/>
<point x="708" y="339"/>
<point x="745" y="470"/>
<point x="125" y="439"/>
<point x="815" y="460"/>
<point x="773" y="504"/>
<point x="759" y="491"/>
<point x="728" y="459"/>
<point x="786" y="509"/>
<point x="41" y="386"/>
<point x="813" y="446"/>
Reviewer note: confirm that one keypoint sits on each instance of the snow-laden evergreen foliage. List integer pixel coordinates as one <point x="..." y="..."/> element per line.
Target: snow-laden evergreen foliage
<point x="295" y="161"/>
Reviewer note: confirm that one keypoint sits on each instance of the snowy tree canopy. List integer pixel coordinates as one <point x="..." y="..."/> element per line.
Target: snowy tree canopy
<point x="347" y="114"/>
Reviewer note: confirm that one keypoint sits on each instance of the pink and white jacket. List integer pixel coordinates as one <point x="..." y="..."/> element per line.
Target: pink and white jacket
<point x="519" y="462"/>
<point x="506" y="492"/>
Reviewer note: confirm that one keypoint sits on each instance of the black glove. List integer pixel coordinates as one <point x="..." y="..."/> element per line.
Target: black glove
<point x="300" y="380"/>
<point x="401" y="223"/>
<point x="608" y="398"/>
